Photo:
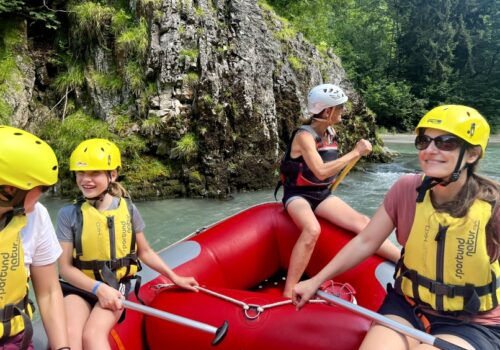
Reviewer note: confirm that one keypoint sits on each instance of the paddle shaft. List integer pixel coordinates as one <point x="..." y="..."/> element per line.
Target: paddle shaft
<point x="385" y="321"/>
<point x="344" y="173"/>
<point x="219" y="332"/>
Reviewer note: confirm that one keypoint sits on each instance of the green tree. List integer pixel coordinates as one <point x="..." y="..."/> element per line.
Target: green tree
<point x="362" y="33"/>
<point x="32" y="10"/>
<point x="406" y="56"/>
<point x="426" y="43"/>
<point x="477" y="57"/>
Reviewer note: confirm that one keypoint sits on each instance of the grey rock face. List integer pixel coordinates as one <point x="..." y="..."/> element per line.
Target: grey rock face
<point x="250" y="87"/>
<point x="229" y="73"/>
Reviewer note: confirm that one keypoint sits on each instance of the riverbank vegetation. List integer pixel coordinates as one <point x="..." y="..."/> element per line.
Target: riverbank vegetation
<point x="407" y="56"/>
<point x="71" y="73"/>
<point x="202" y="95"/>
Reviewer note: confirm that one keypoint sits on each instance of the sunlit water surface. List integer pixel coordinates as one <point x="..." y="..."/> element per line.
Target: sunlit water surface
<point x="169" y="220"/>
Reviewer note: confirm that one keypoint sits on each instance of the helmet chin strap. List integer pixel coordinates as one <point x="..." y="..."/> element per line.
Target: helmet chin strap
<point x="320" y="116"/>
<point x="430" y="182"/>
<point x="15" y="201"/>
<point x="319" y="119"/>
<point x="458" y="168"/>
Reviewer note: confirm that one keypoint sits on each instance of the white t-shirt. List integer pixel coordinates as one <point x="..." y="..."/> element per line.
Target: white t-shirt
<point x="40" y="243"/>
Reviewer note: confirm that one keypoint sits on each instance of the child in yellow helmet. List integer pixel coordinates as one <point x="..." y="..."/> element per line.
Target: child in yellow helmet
<point x="103" y="241"/>
<point x="28" y="166"/>
<point x="447" y="219"/>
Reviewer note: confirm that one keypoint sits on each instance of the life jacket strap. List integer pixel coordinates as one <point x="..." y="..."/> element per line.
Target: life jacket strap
<point x="126" y="284"/>
<point x="425" y="324"/>
<point x="113" y="265"/>
<point x="277" y="187"/>
<point x="427" y="183"/>
<point x="7" y="312"/>
<point x="21" y="308"/>
<point x="469" y="292"/>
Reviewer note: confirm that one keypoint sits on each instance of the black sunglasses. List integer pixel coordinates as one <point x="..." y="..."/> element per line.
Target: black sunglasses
<point x="443" y="142"/>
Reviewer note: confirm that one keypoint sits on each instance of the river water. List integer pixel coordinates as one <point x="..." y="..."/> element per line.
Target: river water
<point x="169" y="220"/>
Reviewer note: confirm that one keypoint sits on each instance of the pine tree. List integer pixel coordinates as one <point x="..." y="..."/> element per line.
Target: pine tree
<point x="425" y="47"/>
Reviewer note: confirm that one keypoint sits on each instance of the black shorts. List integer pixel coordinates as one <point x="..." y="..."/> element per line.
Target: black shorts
<point x="68" y="289"/>
<point x="484" y="337"/>
<point x="312" y="195"/>
<point x="90" y="298"/>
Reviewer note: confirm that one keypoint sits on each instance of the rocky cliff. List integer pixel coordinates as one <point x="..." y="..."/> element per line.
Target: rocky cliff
<point x="210" y="88"/>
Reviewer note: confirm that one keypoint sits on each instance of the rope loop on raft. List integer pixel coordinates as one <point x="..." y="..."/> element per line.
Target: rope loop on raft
<point x="256" y="308"/>
<point x="251" y="311"/>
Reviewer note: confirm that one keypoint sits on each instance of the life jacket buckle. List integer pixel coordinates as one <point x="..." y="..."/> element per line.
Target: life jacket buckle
<point x="115" y="264"/>
<point x="439" y="288"/>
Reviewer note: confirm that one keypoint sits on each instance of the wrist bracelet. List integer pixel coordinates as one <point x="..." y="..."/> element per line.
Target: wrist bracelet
<point x="96" y="286"/>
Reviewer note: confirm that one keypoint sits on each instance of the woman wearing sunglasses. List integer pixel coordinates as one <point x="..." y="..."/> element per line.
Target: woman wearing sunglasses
<point x="447" y="219"/>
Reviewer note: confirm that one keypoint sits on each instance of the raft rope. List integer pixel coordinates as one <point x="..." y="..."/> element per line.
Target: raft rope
<point x="251" y="311"/>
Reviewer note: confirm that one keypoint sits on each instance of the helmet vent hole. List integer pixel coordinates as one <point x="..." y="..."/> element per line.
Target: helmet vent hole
<point x="102" y="149"/>
<point x="17" y="134"/>
<point x="54" y="167"/>
<point x="468" y="114"/>
<point x="38" y="142"/>
<point x="85" y="150"/>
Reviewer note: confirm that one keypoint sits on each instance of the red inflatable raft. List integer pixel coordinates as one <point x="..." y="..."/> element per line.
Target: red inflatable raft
<point x="240" y="263"/>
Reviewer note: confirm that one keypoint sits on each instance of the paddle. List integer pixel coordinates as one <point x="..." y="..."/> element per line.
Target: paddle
<point x="343" y="173"/>
<point x="220" y="332"/>
<point x="385" y="321"/>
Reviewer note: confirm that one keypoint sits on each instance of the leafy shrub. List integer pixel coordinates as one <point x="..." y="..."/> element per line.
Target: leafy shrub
<point x="393" y="103"/>
<point x="186" y="148"/>
<point x="74" y="77"/>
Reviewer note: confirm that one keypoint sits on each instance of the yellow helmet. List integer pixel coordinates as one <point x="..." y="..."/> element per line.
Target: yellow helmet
<point x="95" y="154"/>
<point x="25" y="160"/>
<point x="462" y="121"/>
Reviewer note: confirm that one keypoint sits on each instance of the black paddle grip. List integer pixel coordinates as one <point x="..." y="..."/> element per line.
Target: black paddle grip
<point x="220" y="333"/>
<point x="446" y="345"/>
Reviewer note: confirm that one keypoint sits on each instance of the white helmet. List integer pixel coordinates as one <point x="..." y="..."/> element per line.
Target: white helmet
<point x="324" y="96"/>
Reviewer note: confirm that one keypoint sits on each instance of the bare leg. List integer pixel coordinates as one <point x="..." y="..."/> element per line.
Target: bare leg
<point x="448" y="337"/>
<point x="77" y="313"/>
<point x="301" y="213"/>
<point x="341" y="214"/>
<point x="98" y="327"/>
<point x="381" y="338"/>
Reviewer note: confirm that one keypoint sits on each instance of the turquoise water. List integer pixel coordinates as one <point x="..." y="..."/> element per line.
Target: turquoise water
<point x="169" y="220"/>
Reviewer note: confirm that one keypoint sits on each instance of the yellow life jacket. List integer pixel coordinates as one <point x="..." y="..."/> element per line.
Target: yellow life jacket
<point x="445" y="264"/>
<point x="105" y="247"/>
<point x="16" y="309"/>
